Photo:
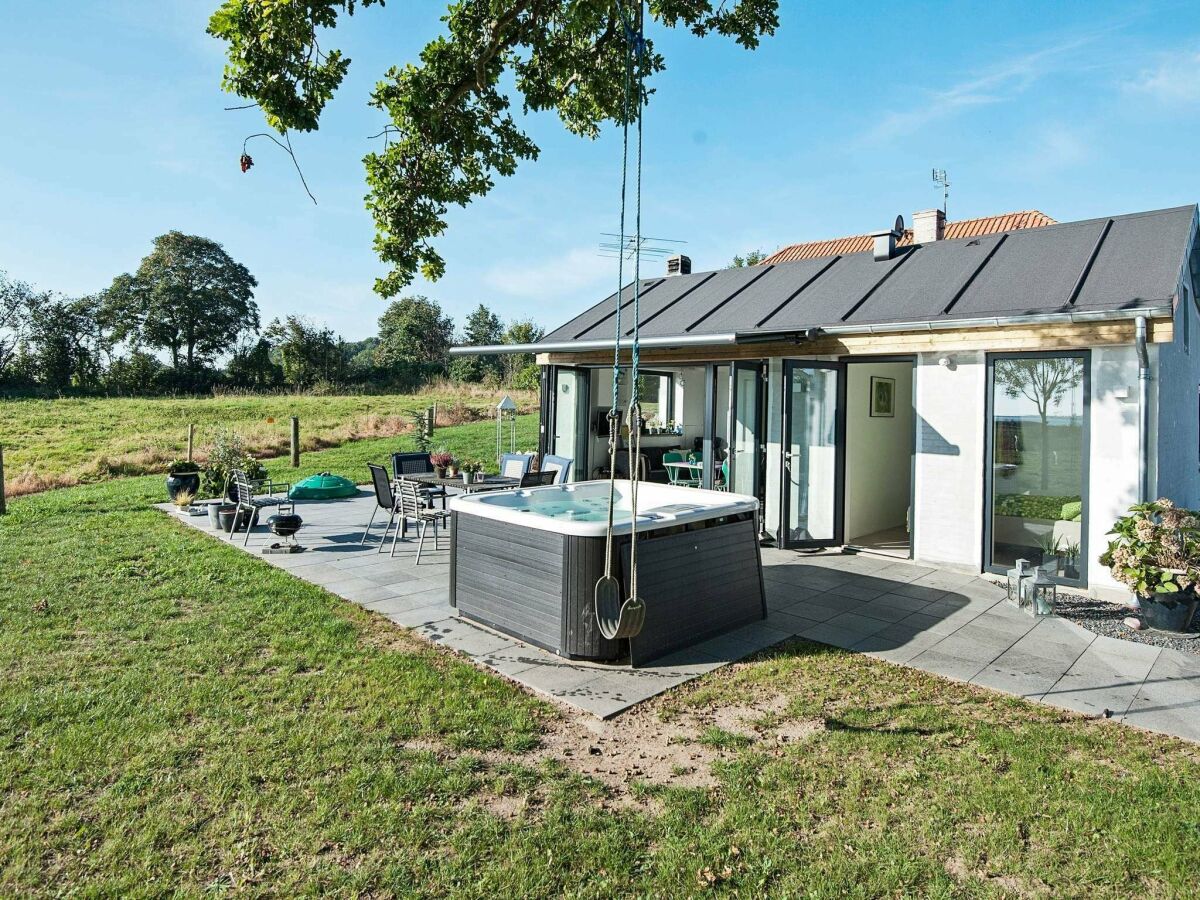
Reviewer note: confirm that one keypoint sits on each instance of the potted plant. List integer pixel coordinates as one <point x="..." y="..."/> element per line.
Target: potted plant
<point x="1155" y="552"/>
<point x="452" y="467"/>
<point x="182" y="475"/>
<point x="441" y="460"/>
<point x="471" y="469"/>
<point x="1051" y="546"/>
<point x="183" y="501"/>
<point x="224" y="455"/>
<point x="1071" y="560"/>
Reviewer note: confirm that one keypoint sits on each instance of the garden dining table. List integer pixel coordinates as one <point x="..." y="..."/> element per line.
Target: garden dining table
<point x="694" y="470"/>
<point x="489" y="482"/>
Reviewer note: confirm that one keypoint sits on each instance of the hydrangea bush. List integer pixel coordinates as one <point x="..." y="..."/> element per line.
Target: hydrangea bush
<point x="1155" y="549"/>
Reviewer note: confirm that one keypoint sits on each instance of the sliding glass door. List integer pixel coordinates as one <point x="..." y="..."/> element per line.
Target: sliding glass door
<point x="1037" y="475"/>
<point x="812" y="458"/>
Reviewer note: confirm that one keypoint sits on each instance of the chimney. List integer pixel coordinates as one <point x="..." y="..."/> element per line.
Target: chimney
<point x="929" y="225"/>
<point x="679" y="265"/>
<point x="885" y="243"/>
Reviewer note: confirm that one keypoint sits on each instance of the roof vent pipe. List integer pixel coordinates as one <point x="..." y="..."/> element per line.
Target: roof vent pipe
<point x="1143" y="358"/>
<point x="679" y="264"/>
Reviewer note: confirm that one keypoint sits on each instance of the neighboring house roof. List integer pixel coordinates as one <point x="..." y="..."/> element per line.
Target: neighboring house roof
<point x="964" y="228"/>
<point x="1095" y="266"/>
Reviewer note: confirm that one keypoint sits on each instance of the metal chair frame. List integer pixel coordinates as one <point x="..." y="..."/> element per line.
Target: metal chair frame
<point x="410" y="507"/>
<point x="248" y="503"/>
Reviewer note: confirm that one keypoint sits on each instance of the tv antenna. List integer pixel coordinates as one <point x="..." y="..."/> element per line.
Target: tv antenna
<point x="648" y="248"/>
<point x="941" y="179"/>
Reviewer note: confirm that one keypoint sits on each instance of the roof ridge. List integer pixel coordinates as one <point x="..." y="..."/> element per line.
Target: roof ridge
<point x="972" y="227"/>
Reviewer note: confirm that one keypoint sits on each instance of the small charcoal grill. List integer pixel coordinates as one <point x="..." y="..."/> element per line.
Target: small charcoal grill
<point x="284" y="525"/>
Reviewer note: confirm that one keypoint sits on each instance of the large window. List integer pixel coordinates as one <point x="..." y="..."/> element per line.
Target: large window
<point x="1038" y="408"/>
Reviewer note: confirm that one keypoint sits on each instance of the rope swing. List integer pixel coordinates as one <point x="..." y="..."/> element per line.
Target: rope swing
<point x="619" y="618"/>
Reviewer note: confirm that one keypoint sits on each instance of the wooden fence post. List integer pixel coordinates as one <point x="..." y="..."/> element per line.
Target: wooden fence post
<point x="3" y="503"/>
<point x="295" y="442"/>
<point x="191" y="439"/>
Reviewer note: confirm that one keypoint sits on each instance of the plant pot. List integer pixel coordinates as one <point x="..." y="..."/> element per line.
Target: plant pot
<point x="439" y="471"/>
<point x="183" y="481"/>
<point x="452" y="471"/>
<point x="226" y="514"/>
<point x="1174" y="614"/>
<point x="468" y="477"/>
<point x="214" y="516"/>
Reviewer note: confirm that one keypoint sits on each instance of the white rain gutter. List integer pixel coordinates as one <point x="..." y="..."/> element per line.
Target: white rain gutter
<point x="685" y="340"/>
<point x="799" y="335"/>
<point x="1143" y="357"/>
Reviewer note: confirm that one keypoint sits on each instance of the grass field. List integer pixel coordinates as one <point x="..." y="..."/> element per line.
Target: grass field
<point x="178" y="717"/>
<point x="55" y="443"/>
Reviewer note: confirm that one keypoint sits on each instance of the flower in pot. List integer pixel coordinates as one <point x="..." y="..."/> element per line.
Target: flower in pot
<point x="471" y="469"/>
<point x="1155" y="552"/>
<point x="182" y="475"/>
<point x="441" y="460"/>
<point x="452" y="467"/>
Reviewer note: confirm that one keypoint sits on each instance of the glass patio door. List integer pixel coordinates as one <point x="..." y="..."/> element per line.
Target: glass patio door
<point x="812" y="454"/>
<point x="568" y="414"/>
<point x="747" y="449"/>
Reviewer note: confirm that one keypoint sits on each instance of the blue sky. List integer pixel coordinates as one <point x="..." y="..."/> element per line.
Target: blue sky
<point x="112" y="131"/>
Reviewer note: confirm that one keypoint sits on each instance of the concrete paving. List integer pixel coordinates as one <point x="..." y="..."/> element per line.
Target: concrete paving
<point x="949" y="623"/>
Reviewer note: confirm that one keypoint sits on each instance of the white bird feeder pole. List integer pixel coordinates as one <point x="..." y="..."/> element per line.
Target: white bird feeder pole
<point x="506" y="409"/>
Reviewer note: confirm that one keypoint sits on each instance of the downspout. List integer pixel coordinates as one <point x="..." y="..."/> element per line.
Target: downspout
<point x="1139" y="337"/>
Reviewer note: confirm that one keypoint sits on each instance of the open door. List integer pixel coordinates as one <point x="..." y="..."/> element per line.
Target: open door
<point x="813" y="429"/>
<point x="747" y="433"/>
<point x="565" y="410"/>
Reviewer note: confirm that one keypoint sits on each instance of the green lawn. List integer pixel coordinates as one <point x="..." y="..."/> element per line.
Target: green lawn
<point x="177" y="716"/>
<point x="51" y="443"/>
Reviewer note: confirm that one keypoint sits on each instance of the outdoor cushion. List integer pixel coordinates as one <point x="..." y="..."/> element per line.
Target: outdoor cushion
<point x="323" y="487"/>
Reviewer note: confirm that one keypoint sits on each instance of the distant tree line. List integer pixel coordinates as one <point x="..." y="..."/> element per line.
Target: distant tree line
<point x="186" y="322"/>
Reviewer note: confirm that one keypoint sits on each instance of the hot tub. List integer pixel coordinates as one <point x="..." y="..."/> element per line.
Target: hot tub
<point x="526" y="563"/>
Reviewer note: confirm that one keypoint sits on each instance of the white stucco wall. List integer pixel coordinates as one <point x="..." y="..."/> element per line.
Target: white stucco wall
<point x="1177" y="384"/>
<point x="878" y="451"/>
<point x="1113" y="455"/>
<point x="948" y="470"/>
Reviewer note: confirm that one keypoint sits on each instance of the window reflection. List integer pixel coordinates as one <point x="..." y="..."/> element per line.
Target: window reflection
<point x="1038" y="409"/>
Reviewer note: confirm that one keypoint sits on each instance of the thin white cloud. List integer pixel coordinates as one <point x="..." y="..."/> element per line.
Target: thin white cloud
<point x="1175" y="79"/>
<point x="995" y="84"/>
<point x="565" y="273"/>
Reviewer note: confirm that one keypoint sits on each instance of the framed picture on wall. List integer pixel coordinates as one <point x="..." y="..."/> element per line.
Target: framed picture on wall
<point x="883" y="396"/>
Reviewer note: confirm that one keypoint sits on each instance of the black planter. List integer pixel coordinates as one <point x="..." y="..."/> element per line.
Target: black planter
<point x="184" y="481"/>
<point x="226" y="517"/>
<point x="1174" y="614"/>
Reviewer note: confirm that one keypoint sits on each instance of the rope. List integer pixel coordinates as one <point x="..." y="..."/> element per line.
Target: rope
<point x="627" y="626"/>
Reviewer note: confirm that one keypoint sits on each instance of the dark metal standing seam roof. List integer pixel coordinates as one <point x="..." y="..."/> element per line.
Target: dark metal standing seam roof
<point x="1123" y="262"/>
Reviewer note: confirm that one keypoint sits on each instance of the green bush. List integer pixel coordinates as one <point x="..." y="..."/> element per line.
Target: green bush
<point x="225" y="454"/>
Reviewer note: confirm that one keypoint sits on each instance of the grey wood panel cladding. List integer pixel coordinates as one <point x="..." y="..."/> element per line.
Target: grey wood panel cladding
<point x="539" y="585"/>
<point x="696" y="585"/>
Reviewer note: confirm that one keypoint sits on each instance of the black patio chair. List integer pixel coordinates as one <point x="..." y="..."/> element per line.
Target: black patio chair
<point x="405" y="464"/>
<point x="385" y="498"/>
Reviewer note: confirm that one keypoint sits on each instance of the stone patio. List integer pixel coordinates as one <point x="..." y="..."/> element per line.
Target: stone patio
<point x="939" y="621"/>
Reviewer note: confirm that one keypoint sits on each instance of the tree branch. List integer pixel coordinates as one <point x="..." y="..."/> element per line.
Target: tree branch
<point x="286" y="148"/>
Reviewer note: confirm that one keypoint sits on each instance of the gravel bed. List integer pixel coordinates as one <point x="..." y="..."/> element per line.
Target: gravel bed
<point x="1108" y="619"/>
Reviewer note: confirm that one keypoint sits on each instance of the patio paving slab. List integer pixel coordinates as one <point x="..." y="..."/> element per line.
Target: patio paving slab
<point x="944" y="622"/>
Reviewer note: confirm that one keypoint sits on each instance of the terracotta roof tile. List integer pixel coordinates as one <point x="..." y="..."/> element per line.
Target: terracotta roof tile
<point x="965" y="228"/>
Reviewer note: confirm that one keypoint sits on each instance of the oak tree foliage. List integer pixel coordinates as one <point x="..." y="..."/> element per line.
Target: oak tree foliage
<point x="451" y="128"/>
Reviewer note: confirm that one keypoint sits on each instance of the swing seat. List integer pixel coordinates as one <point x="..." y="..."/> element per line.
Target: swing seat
<point x="617" y="619"/>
